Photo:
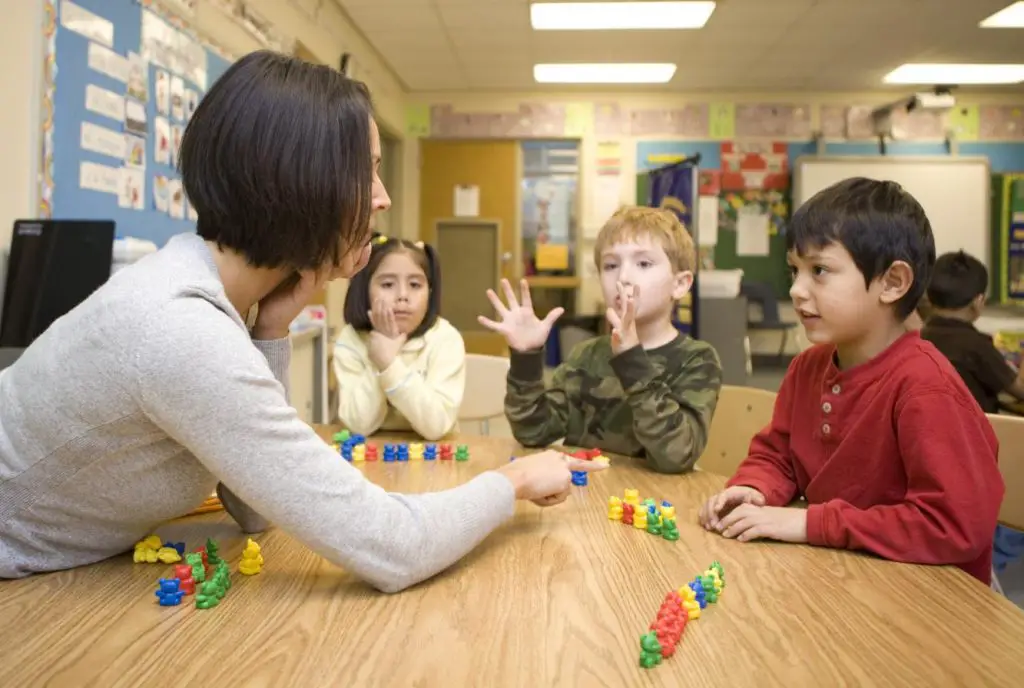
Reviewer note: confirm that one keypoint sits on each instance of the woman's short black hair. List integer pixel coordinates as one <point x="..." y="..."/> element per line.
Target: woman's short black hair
<point x="357" y="299"/>
<point x="877" y="222"/>
<point x="957" y="280"/>
<point x="277" y="162"/>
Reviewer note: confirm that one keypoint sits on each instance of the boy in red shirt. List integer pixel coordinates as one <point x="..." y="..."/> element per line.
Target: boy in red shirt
<point x="872" y="426"/>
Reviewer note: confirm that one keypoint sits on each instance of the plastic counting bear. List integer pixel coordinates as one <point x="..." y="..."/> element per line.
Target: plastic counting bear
<point x="679" y="607"/>
<point x="647" y="515"/>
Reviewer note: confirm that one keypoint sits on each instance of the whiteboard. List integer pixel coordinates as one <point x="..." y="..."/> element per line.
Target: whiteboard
<point x="954" y="192"/>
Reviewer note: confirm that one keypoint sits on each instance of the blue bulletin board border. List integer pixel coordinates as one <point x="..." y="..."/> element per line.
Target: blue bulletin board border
<point x="65" y="78"/>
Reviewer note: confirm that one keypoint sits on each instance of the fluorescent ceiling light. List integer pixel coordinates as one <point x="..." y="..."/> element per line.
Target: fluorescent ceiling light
<point x="1011" y="17"/>
<point x="956" y="74"/>
<point x="584" y="16"/>
<point x="603" y="73"/>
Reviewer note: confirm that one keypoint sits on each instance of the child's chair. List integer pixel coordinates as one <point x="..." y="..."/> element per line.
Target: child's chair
<point x="1010" y="433"/>
<point x="484" y="399"/>
<point x="741" y="413"/>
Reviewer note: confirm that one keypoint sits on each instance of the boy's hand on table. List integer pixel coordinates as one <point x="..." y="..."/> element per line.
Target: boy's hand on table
<point x="724" y="502"/>
<point x="748" y="522"/>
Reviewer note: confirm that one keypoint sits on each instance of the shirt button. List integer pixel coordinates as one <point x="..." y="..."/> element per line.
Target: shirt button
<point x="826" y="429"/>
<point x="826" y="407"/>
<point x="836" y="389"/>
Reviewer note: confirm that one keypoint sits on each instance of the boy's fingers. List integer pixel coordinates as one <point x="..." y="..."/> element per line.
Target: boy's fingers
<point x="499" y="307"/>
<point x="509" y="294"/>
<point x="488" y="323"/>
<point x="524" y="294"/>
<point x="613" y="318"/>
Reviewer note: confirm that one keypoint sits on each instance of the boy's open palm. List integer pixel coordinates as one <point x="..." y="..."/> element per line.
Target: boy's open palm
<point x="520" y="326"/>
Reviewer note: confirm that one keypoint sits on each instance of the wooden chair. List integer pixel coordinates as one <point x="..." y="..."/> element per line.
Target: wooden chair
<point x="741" y="413"/>
<point x="484" y="399"/>
<point x="1010" y="431"/>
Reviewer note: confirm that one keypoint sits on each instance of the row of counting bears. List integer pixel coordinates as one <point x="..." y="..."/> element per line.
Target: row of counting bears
<point x="649" y="516"/>
<point x="252" y="559"/>
<point x="590" y="455"/>
<point x="212" y="591"/>
<point x="678" y="608"/>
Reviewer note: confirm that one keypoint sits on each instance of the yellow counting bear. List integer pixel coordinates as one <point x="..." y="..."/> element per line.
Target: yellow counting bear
<point x="690" y="603"/>
<point x="632" y="497"/>
<point x="147" y="549"/>
<point x="614" y="508"/>
<point x="252" y="560"/>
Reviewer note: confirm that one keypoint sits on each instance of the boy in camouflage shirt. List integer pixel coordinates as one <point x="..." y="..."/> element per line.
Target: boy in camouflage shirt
<point x="645" y="390"/>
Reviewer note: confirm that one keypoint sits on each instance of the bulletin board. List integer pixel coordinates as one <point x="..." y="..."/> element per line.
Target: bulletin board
<point x="122" y="79"/>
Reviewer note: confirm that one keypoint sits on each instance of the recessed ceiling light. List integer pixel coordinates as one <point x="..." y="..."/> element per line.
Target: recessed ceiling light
<point x="1011" y="17"/>
<point x="594" y="16"/>
<point x="956" y="74"/>
<point x="638" y="73"/>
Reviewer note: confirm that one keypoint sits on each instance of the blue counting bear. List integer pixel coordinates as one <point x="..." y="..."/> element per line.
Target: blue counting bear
<point x="430" y="452"/>
<point x="389" y="453"/>
<point x="403" y="452"/>
<point x="698" y="588"/>
<point x="169" y="593"/>
<point x="579" y="478"/>
<point x="179" y="547"/>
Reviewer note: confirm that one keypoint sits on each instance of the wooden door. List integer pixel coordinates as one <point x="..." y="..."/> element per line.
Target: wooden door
<point x="494" y="167"/>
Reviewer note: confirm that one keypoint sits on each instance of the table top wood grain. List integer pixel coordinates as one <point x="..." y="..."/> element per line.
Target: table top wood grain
<point x="556" y="597"/>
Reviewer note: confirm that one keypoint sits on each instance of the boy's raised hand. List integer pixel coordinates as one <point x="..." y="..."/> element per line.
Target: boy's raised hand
<point x="521" y="327"/>
<point x="711" y="514"/>
<point x="623" y="319"/>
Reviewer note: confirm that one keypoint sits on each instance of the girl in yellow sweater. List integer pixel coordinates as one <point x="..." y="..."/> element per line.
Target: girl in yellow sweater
<point x="399" y="364"/>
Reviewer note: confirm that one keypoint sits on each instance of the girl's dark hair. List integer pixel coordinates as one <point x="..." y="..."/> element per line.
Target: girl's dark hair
<point x="957" y="280"/>
<point x="277" y="162"/>
<point x="357" y="300"/>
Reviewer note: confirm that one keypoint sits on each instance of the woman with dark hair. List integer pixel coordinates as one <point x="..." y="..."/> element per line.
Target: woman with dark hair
<point x="169" y="381"/>
<point x="399" y="364"/>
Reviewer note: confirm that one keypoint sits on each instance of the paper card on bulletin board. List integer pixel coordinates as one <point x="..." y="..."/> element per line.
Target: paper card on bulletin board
<point x="417" y="120"/>
<point x="965" y="122"/>
<point x="467" y="201"/>
<point x="579" y="120"/>
<point x="752" y="234"/>
<point x="708" y="221"/>
<point x="552" y="257"/>
<point x="722" y="120"/>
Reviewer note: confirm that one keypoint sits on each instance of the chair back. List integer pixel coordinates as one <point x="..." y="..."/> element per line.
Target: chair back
<point x="741" y="413"/>
<point x="484" y="398"/>
<point x="1010" y="432"/>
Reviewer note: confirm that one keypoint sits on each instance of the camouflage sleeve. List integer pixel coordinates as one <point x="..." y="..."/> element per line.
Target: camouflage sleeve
<point x="538" y="415"/>
<point x="672" y="411"/>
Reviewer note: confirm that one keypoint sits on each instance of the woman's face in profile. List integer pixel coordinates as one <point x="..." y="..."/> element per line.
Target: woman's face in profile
<point x="357" y="259"/>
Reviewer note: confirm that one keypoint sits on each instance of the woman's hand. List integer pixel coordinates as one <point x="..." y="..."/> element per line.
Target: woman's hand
<point x="545" y="478"/>
<point x="280" y="307"/>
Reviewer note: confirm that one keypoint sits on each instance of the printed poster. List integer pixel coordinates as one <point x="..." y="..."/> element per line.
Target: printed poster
<point x="135" y="117"/>
<point x="191" y="103"/>
<point x="138" y="78"/>
<point x="161" y="193"/>
<point x="80" y="20"/>
<point x="101" y="140"/>
<point x="102" y="178"/>
<point x="161" y="141"/>
<point x="177" y="99"/>
<point x="106" y="61"/>
<point x="132" y="192"/>
<point x="176" y="199"/>
<point x="135" y="151"/>
<point x="176" y="133"/>
<point x="163" y="92"/>
<point x="104" y="102"/>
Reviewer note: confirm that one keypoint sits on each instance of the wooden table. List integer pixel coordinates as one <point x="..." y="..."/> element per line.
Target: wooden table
<point x="557" y="597"/>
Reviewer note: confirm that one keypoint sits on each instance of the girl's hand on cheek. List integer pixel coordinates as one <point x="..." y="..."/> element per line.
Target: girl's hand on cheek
<point x="386" y="339"/>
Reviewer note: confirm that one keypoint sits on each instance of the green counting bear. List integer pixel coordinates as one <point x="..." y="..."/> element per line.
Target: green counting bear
<point x="650" y="650"/>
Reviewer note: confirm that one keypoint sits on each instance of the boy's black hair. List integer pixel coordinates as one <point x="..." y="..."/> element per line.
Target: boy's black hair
<point x="877" y="222"/>
<point x="277" y="162"/>
<point x="357" y="300"/>
<point x="957" y="280"/>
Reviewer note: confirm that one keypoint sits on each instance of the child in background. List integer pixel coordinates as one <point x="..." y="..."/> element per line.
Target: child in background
<point x="399" y="364"/>
<point x="646" y="390"/>
<point x="872" y="425"/>
<point x="957" y="294"/>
